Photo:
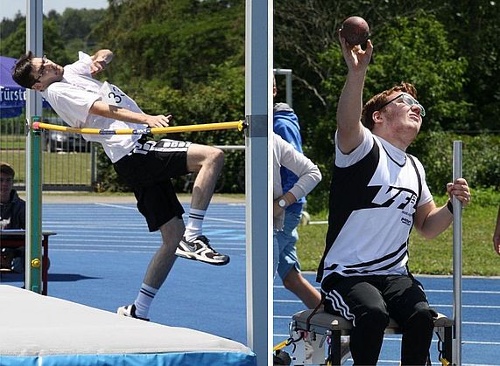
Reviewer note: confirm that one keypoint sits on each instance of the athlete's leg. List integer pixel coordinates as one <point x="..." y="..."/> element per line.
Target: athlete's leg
<point x="417" y="337"/>
<point x="164" y="258"/>
<point x="158" y="268"/>
<point x="355" y="297"/>
<point x="408" y="305"/>
<point x="207" y="161"/>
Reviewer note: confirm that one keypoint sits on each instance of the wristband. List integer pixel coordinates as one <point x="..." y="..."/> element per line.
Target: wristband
<point x="449" y="206"/>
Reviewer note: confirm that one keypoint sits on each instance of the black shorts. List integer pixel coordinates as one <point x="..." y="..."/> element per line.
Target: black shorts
<point x="148" y="170"/>
<point x="398" y="295"/>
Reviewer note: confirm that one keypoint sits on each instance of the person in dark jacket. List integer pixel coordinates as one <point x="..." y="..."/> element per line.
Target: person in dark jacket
<point x="12" y="216"/>
<point x="12" y="207"/>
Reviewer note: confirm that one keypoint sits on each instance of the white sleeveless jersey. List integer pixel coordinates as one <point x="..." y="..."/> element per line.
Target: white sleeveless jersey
<point x="374" y="194"/>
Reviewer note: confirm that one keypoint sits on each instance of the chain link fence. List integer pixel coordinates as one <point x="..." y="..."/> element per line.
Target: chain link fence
<point x="68" y="161"/>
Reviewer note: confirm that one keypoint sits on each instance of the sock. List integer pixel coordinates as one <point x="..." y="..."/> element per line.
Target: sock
<point x="144" y="300"/>
<point x="194" y="224"/>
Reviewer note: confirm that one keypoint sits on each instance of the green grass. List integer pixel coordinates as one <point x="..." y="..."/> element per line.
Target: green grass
<point x="428" y="256"/>
<point x="16" y="142"/>
<point x="58" y="168"/>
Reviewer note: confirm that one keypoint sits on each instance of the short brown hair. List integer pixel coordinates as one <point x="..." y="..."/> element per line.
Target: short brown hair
<point x="7" y="169"/>
<point x="376" y="102"/>
<point x="23" y="71"/>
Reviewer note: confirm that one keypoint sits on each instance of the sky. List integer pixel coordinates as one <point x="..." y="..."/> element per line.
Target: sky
<point x="9" y="8"/>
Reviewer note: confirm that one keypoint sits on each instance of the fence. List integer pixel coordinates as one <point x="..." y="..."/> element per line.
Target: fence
<point x="68" y="161"/>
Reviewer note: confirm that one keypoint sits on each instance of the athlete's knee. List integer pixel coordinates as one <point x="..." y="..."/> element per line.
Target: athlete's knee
<point x="422" y="318"/>
<point x="217" y="156"/>
<point x="213" y="158"/>
<point x="374" y="317"/>
<point x="204" y="156"/>
<point x="212" y="153"/>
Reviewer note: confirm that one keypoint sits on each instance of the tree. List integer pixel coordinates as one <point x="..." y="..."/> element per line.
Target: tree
<point x="473" y="25"/>
<point x="175" y="41"/>
<point x="63" y="35"/>
<point x="186" y="57"/>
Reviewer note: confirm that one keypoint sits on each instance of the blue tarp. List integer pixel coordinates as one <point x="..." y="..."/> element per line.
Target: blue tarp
<point x="12" y="96"/>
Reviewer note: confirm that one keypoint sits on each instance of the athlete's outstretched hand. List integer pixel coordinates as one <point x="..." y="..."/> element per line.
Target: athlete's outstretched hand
<point x="159" y="120"/>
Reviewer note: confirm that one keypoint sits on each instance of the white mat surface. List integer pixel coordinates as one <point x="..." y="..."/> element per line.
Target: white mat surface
<point x="42" y="328"/>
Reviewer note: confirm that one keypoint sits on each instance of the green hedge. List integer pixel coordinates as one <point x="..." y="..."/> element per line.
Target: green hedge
<point x="480" y="159"/>
<point x="480" y="165"/>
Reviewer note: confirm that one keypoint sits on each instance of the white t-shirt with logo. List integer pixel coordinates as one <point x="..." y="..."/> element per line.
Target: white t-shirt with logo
<point x="375" y="191"/>
<point x="75" y="94"/>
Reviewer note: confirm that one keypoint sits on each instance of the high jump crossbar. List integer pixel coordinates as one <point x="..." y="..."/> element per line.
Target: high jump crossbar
<point x="239" y="125"/>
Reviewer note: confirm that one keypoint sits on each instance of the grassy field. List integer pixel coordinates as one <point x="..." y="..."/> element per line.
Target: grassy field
<point x="426" y="256"/>
<point x="429" y="256"/>
<point x="13" y="142"/>
<point x="58" y="168"/>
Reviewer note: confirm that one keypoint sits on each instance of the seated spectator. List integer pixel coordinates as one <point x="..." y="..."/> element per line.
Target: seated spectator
<point x="12" y="216"/>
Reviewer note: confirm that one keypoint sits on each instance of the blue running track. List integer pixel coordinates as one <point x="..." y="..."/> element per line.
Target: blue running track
<point x="101" y="250"/>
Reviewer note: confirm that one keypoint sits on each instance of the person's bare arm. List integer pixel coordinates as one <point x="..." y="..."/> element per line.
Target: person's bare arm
<point x="103" y="109"/>
<point x="430" y="221"/>
<point x="100" y="59"/>
<point x="349" y="127"/>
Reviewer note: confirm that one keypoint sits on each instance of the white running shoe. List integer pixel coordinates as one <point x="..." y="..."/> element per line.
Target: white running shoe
<point x="199" y="249"/>
<point x="129" y="311"/>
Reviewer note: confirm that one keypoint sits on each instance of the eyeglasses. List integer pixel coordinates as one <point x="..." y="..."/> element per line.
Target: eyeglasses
<point x="408" y="100"/>
<point x="6" y="180"/>
<point x="41" y="71"/>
